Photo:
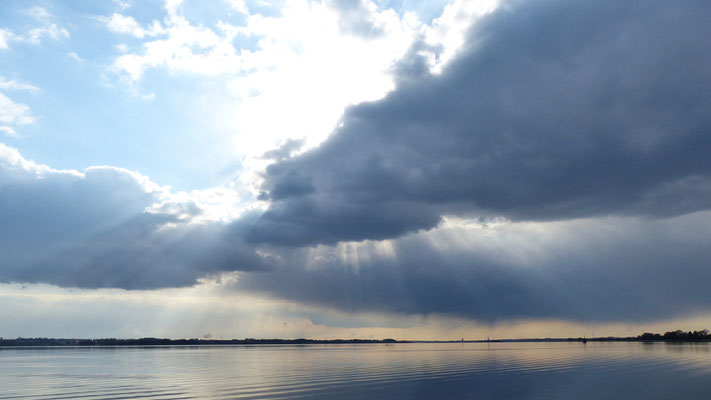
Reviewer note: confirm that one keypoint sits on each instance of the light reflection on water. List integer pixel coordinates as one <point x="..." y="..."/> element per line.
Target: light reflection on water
<point x="408" y="371"/>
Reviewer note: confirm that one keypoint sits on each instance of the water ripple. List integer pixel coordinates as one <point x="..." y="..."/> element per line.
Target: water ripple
<point x="496" y="370"/>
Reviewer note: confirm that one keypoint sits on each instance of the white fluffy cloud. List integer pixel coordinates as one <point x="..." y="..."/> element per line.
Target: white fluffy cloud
<point x="8" y="131"/>
<point x="239" y="6"/>
<point x="180" y="47"/>
<point x="47" y="29"/>
<point x="13" y="113"/>
<point x="118" y="23"/>
<point x="51" y="31"/>
<point x="5" y="38"/>
<point x="16" y="85"/>
<point x="74" y="56"/>
<point x="38" y="13"/>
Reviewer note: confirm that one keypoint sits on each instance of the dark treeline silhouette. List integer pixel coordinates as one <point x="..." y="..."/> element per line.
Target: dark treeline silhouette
<point x="677" y="336"/>
<point x="149" y="341"/>
<point x="671" y="336"/>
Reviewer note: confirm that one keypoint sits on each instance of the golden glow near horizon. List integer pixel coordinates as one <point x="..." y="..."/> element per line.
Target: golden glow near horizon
<point x="212" y="310"/>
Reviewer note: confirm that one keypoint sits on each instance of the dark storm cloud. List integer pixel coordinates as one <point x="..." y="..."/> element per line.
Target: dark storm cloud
<point x="92" y="230"/>
<point x="553" y="110"/>
<point x="617" y="269"/>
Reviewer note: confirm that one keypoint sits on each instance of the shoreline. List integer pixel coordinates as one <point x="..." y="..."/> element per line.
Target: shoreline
<point x="150" y="341"/>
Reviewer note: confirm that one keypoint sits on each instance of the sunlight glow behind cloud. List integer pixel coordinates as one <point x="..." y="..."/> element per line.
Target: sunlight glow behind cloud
<point x="304" y="70"/>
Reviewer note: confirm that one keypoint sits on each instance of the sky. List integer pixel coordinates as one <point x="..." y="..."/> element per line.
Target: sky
<point x="354" y="168"/>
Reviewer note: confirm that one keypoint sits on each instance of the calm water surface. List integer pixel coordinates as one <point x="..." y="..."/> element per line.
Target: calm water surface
<point x="406" y="371"/>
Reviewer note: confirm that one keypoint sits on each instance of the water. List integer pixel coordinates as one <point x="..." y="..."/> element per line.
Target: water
<point x="404" y="371"/>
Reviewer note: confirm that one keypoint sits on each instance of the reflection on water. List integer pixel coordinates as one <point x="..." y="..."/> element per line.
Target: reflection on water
<point x="406" y="371"/>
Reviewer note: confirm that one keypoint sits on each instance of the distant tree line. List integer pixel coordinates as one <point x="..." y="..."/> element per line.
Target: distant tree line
<point x="149" y="341"/>
<point x="671" y="336"/>
<point x="677" y="336"/>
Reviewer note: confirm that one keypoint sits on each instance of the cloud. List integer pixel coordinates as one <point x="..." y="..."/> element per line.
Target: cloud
<point x="553" y="111"/>
<point x="177" y="50"/>
<point x="14" y="113"/>
<point x="448" y="32"/>
<point x="239" y="6"/>
<point x="51" y="31"/>
<point x="8" y="131"/>
<point x="38" y="13"/>
<point x="285" y="150"/>
<point x="358" y="17"/>
<point x="5" y="38"/>
<point x="74" y="56"/>
<point x="16" y="85"/>
<point x="47" y="29"/>
<point x="118" y="23"/>
<point x="123" y="5"/>
<point x="590" y="270"/>
<point x="107" y="227"/>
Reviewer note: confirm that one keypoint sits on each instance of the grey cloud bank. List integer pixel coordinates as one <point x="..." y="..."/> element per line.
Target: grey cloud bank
<point x="92" y="230"/>
<point x="554" y="110"/>
<point x="614" y="269"/>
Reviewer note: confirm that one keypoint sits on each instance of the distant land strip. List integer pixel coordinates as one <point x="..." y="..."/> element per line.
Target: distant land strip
<point x="672" y="336"/>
